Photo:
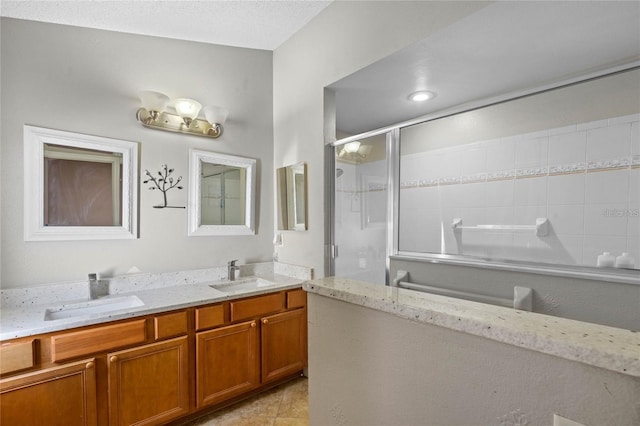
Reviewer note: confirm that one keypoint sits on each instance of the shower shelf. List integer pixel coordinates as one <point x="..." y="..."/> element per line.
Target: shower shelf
<point x="541" y="228"/>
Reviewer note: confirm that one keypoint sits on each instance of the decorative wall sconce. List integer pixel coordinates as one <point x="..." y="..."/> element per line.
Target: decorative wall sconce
<point x="153" y="114"/>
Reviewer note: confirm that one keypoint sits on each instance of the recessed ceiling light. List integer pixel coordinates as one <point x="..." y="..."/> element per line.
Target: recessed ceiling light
<point x="421" y="96"/>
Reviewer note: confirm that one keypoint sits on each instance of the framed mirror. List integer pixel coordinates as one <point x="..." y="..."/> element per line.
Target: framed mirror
<point x="292" y="197"/>
<point x="79" y="187"/>
<point x="221" y="194"/>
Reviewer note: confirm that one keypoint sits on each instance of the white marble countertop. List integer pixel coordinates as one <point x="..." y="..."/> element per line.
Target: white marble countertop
<point x="27" y="318"/>
<point x="597" y="345"/>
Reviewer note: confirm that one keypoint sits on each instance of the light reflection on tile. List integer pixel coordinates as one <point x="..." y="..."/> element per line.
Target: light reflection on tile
<point x="285" y="405"/>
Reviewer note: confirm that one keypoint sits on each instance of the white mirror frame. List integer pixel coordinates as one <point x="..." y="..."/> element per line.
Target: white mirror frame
<point x="35" y="139"/>
<point x="196" y="228"/>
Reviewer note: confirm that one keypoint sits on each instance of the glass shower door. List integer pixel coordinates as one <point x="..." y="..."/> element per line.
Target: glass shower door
<point x="360" y="210"/>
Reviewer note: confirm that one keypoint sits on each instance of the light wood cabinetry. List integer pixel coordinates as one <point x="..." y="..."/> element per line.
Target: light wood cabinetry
<point x="64" y="395"/>
<point x="154" y="369"/>
<point x="149" y="384"/>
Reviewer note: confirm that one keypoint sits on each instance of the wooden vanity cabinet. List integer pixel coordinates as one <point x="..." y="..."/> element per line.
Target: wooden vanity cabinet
<point x="154" y="369"/>
<point x="150" y="384"/>
<point x="227" y="362"/>
<point x="234" y="359"/>
<point x="284" y="344"/>
<point x="62" y="395"/>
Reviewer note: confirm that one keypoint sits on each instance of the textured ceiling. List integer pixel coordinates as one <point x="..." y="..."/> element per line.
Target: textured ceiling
<point x="263" y="24"/>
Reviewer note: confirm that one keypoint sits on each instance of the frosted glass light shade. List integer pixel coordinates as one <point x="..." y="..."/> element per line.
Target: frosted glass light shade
<point x="154" y="101"/>
<point x="216" y="114"/>
<point x="352" y="147"/>
<point x="187" y="108"/>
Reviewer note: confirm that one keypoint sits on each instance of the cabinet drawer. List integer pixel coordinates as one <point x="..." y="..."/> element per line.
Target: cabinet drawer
<point x="99" y="339"/>
<point x="296" y="299"/>
<point x="257" y="306"/>
<point x="16" y="356"/>
<point x="170" y="325"/>
<point x="209" y="317"/>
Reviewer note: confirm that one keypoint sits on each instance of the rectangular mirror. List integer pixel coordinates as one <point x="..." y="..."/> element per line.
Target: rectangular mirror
<point x="221" y="194"/>
<point x="292" y="197"/>
<point x="79" y="187"/>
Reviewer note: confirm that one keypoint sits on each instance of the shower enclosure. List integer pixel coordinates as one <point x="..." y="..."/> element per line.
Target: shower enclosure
<point x="361" y="213"/>
<point x="520" y="183"/>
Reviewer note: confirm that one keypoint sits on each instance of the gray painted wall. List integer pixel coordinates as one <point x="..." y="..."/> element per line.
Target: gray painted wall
<point x="86" y="81"/>
<point x="343" y="38"/>
<point x="372" y="368"/>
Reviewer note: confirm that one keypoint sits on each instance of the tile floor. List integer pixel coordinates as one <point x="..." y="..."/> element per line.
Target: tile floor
<point x="285" y="405"/>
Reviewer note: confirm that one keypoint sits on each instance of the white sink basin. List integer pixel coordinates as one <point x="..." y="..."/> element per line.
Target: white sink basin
<point x="243" y="285"/>
<point x="91" y="307"/>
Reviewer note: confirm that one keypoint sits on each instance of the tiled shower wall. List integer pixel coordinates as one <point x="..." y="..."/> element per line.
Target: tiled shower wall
<point x="584" y="178"/>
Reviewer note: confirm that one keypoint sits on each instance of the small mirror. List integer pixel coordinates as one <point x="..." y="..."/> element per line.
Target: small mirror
<point x="221" y="194"/>
<point x="292" y="197"/>
<point x="79" y="186"/>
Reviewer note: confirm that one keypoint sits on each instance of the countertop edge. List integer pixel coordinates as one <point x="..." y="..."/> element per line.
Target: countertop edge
<point x="569" y="339"/>
<point x="35" y="326"/>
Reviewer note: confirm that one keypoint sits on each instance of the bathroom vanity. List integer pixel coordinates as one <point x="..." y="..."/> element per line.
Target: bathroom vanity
<point x="186" y="349"/>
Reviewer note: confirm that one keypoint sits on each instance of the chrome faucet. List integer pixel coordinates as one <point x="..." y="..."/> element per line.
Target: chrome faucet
<point x="97" y="288"/>
<point x="231" y="269"/>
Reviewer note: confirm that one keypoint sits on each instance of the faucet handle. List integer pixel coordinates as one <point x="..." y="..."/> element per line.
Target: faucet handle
<point x="232" y="262"/>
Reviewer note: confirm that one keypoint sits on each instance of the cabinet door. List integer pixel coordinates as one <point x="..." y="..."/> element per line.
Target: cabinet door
<point x="227" y="362"/>
<point x="283" y="344"/>
<point x="64" y="395"/>
<point x="149" y="384"/>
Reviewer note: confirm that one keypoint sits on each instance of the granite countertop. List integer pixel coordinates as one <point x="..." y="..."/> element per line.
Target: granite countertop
<point x="27" y="318"/>
<point x="606" y="347"/>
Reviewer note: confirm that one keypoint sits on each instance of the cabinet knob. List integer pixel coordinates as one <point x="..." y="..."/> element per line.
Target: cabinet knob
<point x="113" y="359"/>
<point x="265" y="321"/>
<point x="89" y="365"/>
<point x="253" y="324"/>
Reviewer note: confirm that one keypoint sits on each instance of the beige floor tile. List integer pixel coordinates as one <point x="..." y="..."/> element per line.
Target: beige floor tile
<point x="286" y="421"/>
<point x="286" y="405"/>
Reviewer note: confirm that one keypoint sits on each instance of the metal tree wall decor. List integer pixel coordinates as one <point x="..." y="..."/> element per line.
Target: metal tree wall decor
<point x="163" y="182"/>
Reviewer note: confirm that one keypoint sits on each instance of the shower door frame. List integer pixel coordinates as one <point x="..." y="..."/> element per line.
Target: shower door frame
<point x="392" y="164"/>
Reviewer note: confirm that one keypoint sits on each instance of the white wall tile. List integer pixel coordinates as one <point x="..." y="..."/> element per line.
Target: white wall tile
<point x="532" y="152"/>
<point x="500" y="193"/>
<point x="574" y="203"/>
<point x="527" y="215"/>
<point x="531" y="191"/>
<point x="568" y="148"/>
<point x="566" y="219"/>
<point x="501" y="155"/>
<point x="592" y="125"/>
<point x="473" y="160"/>
<point x="566" y="249"/>
<point x="635" y="138"/>
<point x="609" y="143"/>
<point x="634" y="186"/>
<point x="566" y="189"/>
<point x="594" y="245"/>
<point x="624" y="119"/>
<point x="598" y="219"/>
<point x="633" y="218"/>
<point x="607" y="187"/>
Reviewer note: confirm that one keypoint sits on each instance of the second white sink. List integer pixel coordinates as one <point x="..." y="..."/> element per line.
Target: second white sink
<point x="242" y="285"/>
<point x="91" y="307"/>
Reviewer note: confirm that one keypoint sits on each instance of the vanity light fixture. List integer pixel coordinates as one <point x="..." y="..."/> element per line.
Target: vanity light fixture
<point x="154" y="114"/>
<point x="352" y="147"/>
<point x="421" y="96"/>
<point x="354" y="151"/>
